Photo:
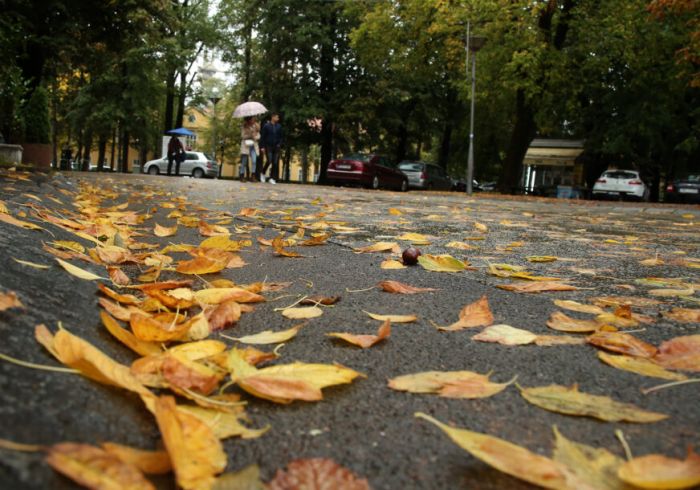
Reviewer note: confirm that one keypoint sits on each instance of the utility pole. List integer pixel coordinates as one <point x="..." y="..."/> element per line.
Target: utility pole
<point x="474" y="44"/>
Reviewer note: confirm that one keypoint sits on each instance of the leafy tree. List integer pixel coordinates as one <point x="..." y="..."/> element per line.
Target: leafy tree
<point x="36" y="117"/>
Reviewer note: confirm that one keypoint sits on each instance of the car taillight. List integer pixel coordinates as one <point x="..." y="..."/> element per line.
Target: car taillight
<point x="670" y="188"/>
<point x="635" y="182"/>
<point x="601" y="181"/>
<point x="423" y="176"/>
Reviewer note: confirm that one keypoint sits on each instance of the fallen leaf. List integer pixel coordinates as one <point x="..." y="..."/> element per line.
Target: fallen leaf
<point x="163" y="231"/>
<point x="93" y="467"/>
<point x="149" y="462"/>
<point x="223" y="315"/>
<point x="31" y="264"/>
<point x="401" y="288"/>
<point x="683" y="315"/>
<point x="395" y="212"/>
<point x="480" y="227"/>
<point x="616" y="320"/>
<point x="672" y="293"/>
<point x="570" y="401"/>
<point x="476" y="314"/>
<point x="77" y="271"/>
<point x="150" y="329"/>
<point x="449" y="384"/>
<point x="303" y="313"/>
<point x="320" y="300"/>
<point x="215" y="296"/>
<point x="278" y="246"/>
<point x="506" y="335"/>
<point x="537" y="287"/>
<point x="205" y="229"/>
<point x="441" y="263"/>
<point x="622" y="343"/>
<point x="224" y="424"/>
<point x="460" y="246"/>
<point x="564" y="323"/>
<point x="127" y="338"/>
<point x="9" y="300"/>
<point x="639" y="365"/>
<point x="126" y="299"/>
<point x="316" y="474"/>
<point x="195" y="452"/>
<point x="17" y="222"/>
<point x="391" y="264"/>
<point x="269" y="337"/>
<point x="680" y="353"/>
<point x="380" y="247"/>
<point x="246" y="479"/>
<point x="506" y="457"/>
<point x="578" y="307"/>
<point x="625" y="300"/>
<point x="365" y="341"/>
<point x="661" y="472"/>
<point x="201" y="265"/>
<point x="541" y="258"/>
<point x="118" y="276"/>
<point x="185" y="374"/>
<point x="550" y="340"/>
<point x="652" y="261"/>
<point x="393" y="318"/>
<point x="414" y="238"/>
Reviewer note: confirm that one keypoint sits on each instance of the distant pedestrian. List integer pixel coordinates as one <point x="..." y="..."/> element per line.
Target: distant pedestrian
<point x="272" y="140"/>
<point x="250" y="134"/>
<point x="176" y="153"/>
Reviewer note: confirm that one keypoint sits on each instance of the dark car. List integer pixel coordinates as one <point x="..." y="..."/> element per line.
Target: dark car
<point x="368" y="170"/>
<point x="686" y="189"/>
<point x="423" y="175"/>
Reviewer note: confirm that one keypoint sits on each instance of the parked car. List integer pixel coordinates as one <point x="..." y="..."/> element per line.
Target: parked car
<point x="423" y="175"/>
<point x="460" y="185"/>
<point x="196" y="164"/>
<point x="620" y="184"/>
<point x="685" y="189"/>
<point x="368" y="170"/>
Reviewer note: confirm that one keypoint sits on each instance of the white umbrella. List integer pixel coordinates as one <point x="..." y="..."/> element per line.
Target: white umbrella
<point x="250" y="108"/>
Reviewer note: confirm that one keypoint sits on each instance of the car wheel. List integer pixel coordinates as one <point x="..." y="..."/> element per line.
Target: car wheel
<point x="198" y="173"/>
<point x="404" y="185"/>
<point x="153" y="170"/>
<point x="375" y="182"/>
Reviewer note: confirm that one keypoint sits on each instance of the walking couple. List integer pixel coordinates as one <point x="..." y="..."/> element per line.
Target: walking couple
<point x="255" y="142"/>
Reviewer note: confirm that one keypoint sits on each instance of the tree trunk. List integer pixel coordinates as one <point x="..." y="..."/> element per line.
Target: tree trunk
<point x="444" y="156"/>
<point x="327" y="89"/>
<point x="304" y="164"/>
<point x="125" y="152"/>
<point x="402" y="143"/>
<point x="85" y="162"/>
<point x="79" y="154"/>
<point x="520" y="138"/>
<point x="101" y="151"/>
<point x="169" y="102"/>
<point x="247" y="55"/>
<point x="114" y="147"/>
<point x="181" y="100"/>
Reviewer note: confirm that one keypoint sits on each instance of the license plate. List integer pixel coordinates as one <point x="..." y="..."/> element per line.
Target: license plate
<point x="688" y="191"/>
<point x="343" y="167"/>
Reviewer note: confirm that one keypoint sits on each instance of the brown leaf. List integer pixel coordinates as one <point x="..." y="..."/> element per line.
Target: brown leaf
<point x="151" y="329"/>
<point x="126" y="299"/>
<point x="477" y="314"/>
<point x="578" y="307"/>
<point x="315" y="241"/>
<point x="639" y="365"/>
<point x="365" y="341"/>
<point x="401" y="288"/>
<point x="683" y="315"/>
<point x="564" y="323"/>
<point x="201" y="265"/>
<point x="149" y="462"/>
<point x="278" y="246"/>
<point x="9" y="300"/>
<point x="127" y="338"/>
<point x="320" y="300"/>
<point x="449" y="384"/>
<point x="537" y="287"/>
<point x="506" y="335"/>
<point x="183" y="373"/>
<point x="622" y="343"/>
<point x="117" y="276"/>
<point x="657" y="471"/>
<point x="95" y="468"/>
<point x="680" y="353"/>
<point x="316" y="474"/>
<point x="205" y="229"/>
<point x="224" y="315"/>
<point x="380" y="247"/>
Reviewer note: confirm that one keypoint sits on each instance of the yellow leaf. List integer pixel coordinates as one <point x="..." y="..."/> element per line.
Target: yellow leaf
<point x="506" y="335"/>
<point x="395" y="212"/>
<point x="415" y="238"/>
<point x="364" y="341"/>
<point x="476" y="314"/>
<point x="506" y="457"/>
<point x="670" y="293"/>
<point x="655" y="471"/>
<point x="380" y="247"/>
<point x="480" y="227"/>
<point x="578" y="307"/>
<point x="460" y="246"/>
<point x="201" y="265"/>
<point x="224" y="424"/>
<point x="93" y="467"/>
<point x="149" y="462"/>
<point x="9" y="300"/>
<point x="221" y="242"/>
<point x="246" y="479"/>
<point x="162" y="231"/>
<point x="683" y="315"/>
<point x="127" y="338"/>
<point x="401" y="288"/>
<point x="151" y="329"/>
<point x="303" y="313"/>
<point x="564" y="323"/>
<point x="268" y="336"/>
<point x="68" y="245"/>
<point x="391" y="264"/>
<point x="639" y="365"/>
<point x="77" y="271"/>
<point x="449" y="384"/>
<point x="393" y="318"/>
<point x="441" y="263"/>
<point x="16" y="222"/>
<point x="195" y="452"/>
<point x="215" y="296"/>
<point x="537" y="287"/>
<point x="570" y="401"/>
<point x="541" y="258"/>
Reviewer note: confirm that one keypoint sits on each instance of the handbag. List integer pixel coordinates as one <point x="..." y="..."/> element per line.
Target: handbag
<point x="249" y="142"/>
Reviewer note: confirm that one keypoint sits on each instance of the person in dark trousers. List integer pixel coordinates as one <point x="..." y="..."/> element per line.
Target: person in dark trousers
<point x="272" y="139"/>
<point x="176" y="154"/>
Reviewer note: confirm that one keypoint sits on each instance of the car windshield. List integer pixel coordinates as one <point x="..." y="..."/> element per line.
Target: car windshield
<point x="693" y="178"/>
<point x="411" y="166"/>
<point x="208" y="157"/>
<point x="619" y="174"/>
<point x="360" y="157"/>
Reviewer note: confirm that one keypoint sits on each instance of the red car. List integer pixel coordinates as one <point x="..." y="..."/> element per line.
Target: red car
<point x="368" y="170"/>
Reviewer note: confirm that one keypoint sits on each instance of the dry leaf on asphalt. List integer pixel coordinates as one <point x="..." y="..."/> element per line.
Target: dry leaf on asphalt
<point x="449" y="384"/>
<point x="391" y="264"/>
<point x="118" y="276"/>
<point x="578" y="307"/>
<point x="563" y="323"/>
<point x="220" y="317"/>
<point x="680" y="353"/>
<point x="268" y="336"/>
<point x="31" y="264"/>
<point x="506" y="457"/>
<point x="9" y="300"/>
<point x="365" y="341"/>
<point x="550" y="340"/>
<point x="77" y="271"/>
<point x="414" y="238"/>
<point x="125" y="299"/>
<point x="380" y="247"/>
<point x="316" y="474"/>
<point x="570" y="401"/>
<point x="537" y="287"/>
<point x="622" y="343"/>
<point x="93" y="467"/>
<point x="672" y="293"/>
<point x="246" y="479"/>
<point x="506" y="335"/>
<point x="320" y="300"/>
<point x="441" y="263"/>
<point x="127" y="338"/>
<point x="393" y="318"/>
<point x="164" y="231"/>
<point x="201" y="265"/>
<point x="683" y="315"/>
<point x="195" y="452"/>
<point x="149" y="462"/>
<point x="639" y="365"/>
<point x="303" y="313"/>
<point x="541" y="258"/>
<point x="655" y="471"/>
<point x="476" y="314"/>
<point x="17" y="222"/>
<point x="617" y="301"/>
<point x="215" y="296"/>
<point x="152" y="329"/>
<point x="401" y="288"/>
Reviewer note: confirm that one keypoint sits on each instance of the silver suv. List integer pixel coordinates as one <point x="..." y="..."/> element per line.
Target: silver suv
<point x="422" y="175"/>
<point x="197" y="164"/>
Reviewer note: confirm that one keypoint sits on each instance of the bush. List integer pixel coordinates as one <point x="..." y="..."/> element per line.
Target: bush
<point x="36" y="118"/>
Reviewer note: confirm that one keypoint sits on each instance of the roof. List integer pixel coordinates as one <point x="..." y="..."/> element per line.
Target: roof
<point x="553" y="152"/>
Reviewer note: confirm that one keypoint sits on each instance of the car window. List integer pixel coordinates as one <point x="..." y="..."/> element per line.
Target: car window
<point x="191" y="156"/>
<point x="410" y="166"/>
<point x="693" y="178"/>
<point x="619" y="174"/>
<point x="208" y="157"/>
<point x="382" y="161"/>
<point x="360" y="157"/>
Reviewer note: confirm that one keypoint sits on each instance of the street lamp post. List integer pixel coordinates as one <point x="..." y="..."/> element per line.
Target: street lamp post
<point x="214" y="98"/>
<point x="474" y="44"/>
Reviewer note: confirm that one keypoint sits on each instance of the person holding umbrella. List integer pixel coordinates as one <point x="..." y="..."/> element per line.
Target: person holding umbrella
<point x="250" y="135"/>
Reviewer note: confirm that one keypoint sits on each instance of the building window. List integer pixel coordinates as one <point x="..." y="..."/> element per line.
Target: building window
<point x="192" y="118"/>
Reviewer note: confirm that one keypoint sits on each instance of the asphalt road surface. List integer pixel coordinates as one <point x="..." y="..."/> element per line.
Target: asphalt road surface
<point x="364" y="426"/>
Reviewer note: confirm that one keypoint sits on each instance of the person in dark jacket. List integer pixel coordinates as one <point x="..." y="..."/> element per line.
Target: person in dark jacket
<point x="271" y="141"/>
<point x="175" y="154"/>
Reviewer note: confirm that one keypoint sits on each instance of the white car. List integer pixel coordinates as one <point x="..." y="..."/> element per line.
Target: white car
<point x="620" y="184"/>
<point x="196" y="163"/>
